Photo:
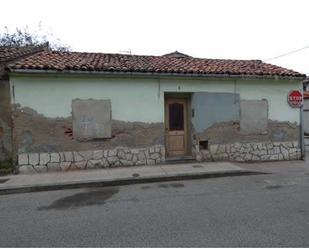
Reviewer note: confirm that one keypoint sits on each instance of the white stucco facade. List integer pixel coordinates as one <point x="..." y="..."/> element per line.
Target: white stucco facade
<point x="142" y="99"/>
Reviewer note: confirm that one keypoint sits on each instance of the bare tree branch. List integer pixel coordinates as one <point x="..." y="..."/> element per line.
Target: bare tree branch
<point x="23" y="37"/>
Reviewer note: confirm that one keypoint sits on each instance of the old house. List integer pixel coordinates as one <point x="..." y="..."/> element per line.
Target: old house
<point x="74" y="110"/>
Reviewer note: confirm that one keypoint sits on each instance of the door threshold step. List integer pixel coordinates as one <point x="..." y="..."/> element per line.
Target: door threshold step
<point x="182" y="159"/>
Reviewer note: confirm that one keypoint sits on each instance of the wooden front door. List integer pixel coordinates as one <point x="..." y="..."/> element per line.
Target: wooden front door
<point x="176" y="126"/>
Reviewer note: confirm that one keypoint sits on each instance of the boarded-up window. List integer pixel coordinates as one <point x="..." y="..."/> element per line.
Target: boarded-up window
<point x="211" y="108"/>
<point x="91" y="119"/>
<point x="253" y="116"/>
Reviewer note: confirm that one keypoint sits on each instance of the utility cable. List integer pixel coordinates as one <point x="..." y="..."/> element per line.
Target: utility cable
<point x="288" y="53"/>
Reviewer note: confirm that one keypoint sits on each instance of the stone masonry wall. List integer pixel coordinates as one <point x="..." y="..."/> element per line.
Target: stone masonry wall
<point x="29" y="163"/>
<point x="242" y="152"/>
<point x="63" y="161"/>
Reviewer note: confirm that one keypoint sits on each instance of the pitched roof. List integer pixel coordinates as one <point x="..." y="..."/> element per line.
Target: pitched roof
<point x="177" y="55"/>
<point x="9" y="53"/>
<point x="175" y="63"/>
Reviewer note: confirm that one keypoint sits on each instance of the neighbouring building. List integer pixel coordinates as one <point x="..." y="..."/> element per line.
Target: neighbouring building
<point x="73" y="110"/>
<point x="9" y="54"/>
<point x="306" y="113"/>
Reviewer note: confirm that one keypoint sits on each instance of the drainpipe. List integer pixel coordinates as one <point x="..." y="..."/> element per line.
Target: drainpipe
<point x="302" y="140"/>
<point x="159" y="88"/>
<point x="13" y="135"/>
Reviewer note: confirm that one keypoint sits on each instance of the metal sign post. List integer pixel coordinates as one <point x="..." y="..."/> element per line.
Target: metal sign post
<point x="295" y="100"/>
<point x="302" y="140"/>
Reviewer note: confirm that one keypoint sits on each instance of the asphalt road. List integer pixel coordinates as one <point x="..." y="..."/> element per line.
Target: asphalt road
<point x="247" y="211"/>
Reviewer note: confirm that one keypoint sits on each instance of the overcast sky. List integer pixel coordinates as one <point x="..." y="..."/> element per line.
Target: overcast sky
<point x="231" y="29"/>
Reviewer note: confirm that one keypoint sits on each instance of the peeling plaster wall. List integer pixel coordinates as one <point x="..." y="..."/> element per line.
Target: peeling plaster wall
<point x="36" y="133"/>
<point x="229" y="132"/>
<point x="43" y="121"/>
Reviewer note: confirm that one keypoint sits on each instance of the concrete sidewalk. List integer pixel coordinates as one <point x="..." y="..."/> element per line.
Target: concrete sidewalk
<point x="118" y="176"/>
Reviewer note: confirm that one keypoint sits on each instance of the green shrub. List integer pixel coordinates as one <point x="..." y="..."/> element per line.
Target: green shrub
<point x="6" y="167"/>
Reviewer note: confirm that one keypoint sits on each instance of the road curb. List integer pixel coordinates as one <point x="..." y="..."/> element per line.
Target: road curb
<point x="124" y="181"/>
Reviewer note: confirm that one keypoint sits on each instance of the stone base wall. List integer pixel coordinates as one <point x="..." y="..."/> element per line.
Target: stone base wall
<point x="64" y="161"/>
<point x="29" y="163"/>
<point x="242" y="152"/>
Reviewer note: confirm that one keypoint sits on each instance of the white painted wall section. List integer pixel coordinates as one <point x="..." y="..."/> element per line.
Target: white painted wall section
<point x="275" y="91"/>
<point x="143" y="99"/>
<point x="132" y="100"/>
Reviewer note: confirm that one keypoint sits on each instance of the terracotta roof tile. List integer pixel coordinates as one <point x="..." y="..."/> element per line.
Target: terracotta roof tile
<point x="9" y="53"/>
<point x="176" y="63"/>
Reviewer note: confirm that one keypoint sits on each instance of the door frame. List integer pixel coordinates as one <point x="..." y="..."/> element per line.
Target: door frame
<point x="187" y="122"/>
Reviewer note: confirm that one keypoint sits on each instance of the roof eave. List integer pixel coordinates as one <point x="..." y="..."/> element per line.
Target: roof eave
<point x="151" y="74"/>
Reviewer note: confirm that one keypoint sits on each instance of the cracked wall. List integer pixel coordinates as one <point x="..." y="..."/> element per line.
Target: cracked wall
<point x="36" y="133"/>
<point x="229" y="132"/>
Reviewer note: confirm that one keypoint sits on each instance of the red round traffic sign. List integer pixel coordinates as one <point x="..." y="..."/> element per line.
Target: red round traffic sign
<point x="295" y="98"/>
